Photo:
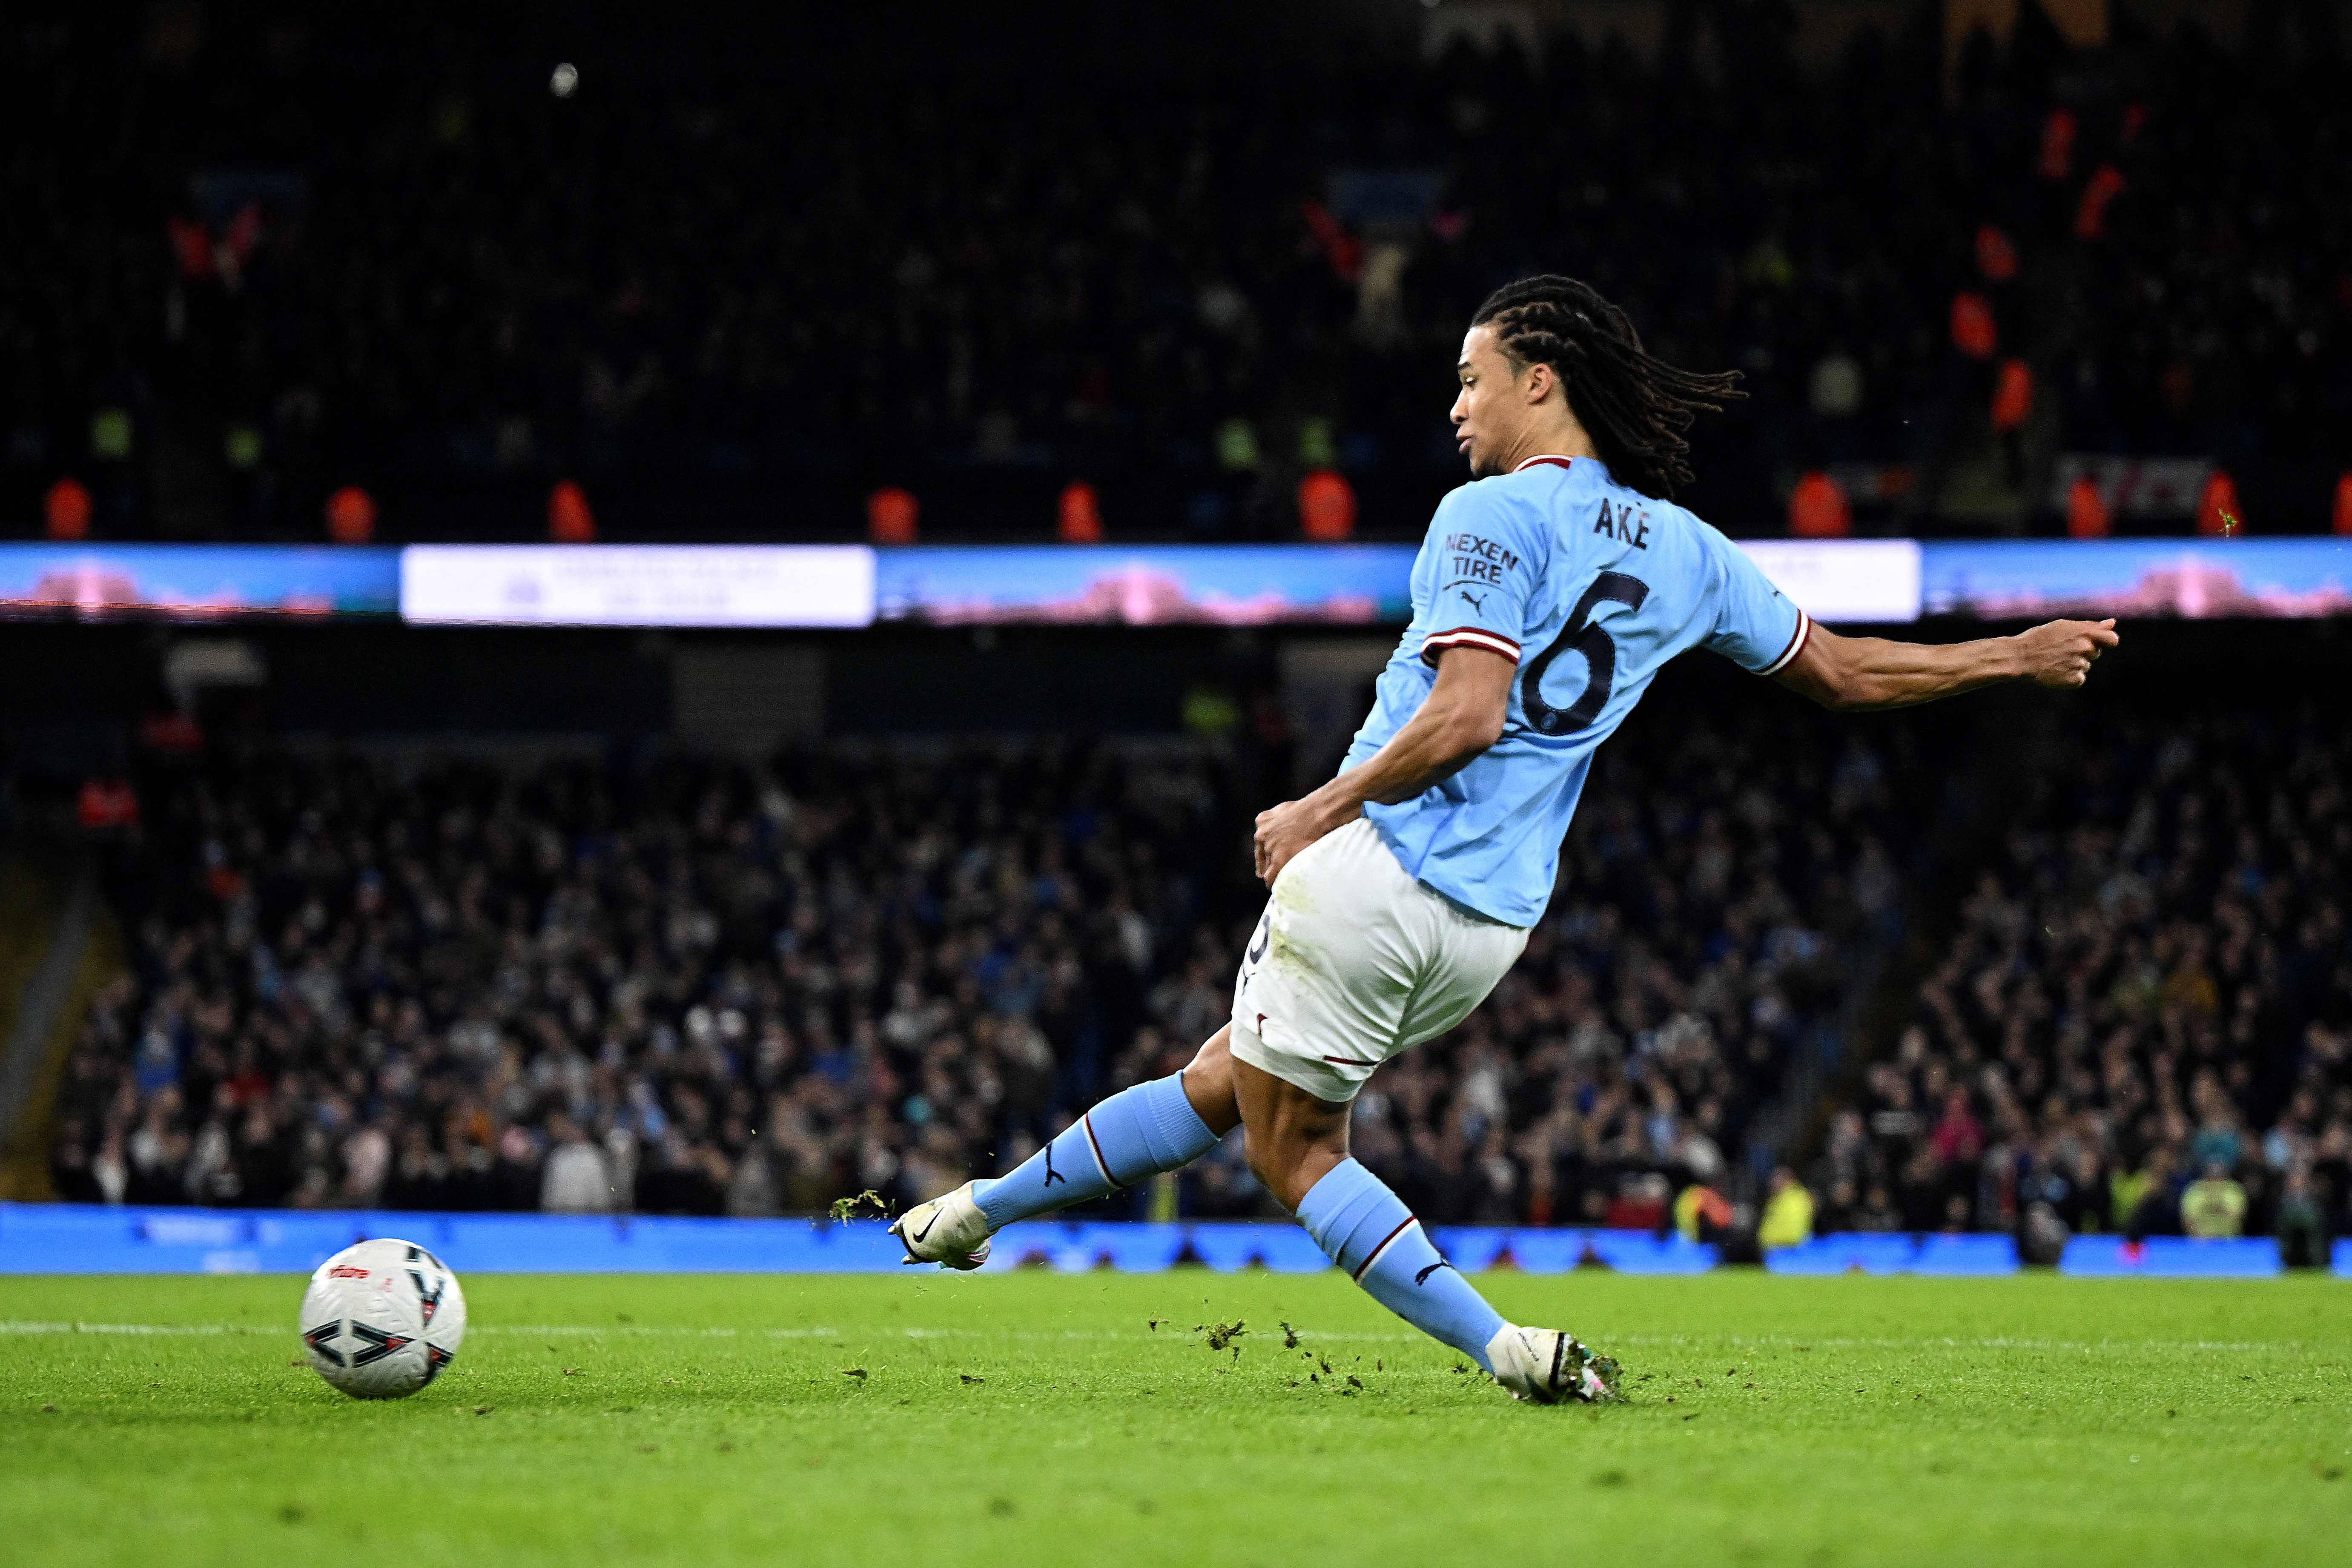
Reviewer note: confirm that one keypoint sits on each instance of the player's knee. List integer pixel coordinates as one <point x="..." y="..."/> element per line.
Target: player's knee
<point x="1209" y="1085"/>
<point x="1214" y="1062"/>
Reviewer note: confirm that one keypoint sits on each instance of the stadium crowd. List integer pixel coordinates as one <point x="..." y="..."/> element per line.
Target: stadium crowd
<point x="2143" y="1024"/>
<point x="689" y="986"/>
<point x="393" y="257"/>
<point x="693" y="985"/>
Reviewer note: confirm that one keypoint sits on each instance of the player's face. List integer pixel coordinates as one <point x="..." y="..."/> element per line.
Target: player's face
<point x="1489" y="411"/>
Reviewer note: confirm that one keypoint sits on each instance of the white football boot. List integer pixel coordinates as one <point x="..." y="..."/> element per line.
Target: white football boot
<point x="1545" y="1366"/>
<point x="950" y="1231"/>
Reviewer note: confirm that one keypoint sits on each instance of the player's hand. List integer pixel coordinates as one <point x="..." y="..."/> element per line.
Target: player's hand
<point x="2058" y="654"/>
<point x="1284" y="830"/>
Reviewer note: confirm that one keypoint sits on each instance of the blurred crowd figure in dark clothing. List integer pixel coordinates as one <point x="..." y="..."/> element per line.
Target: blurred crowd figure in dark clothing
<point x="734" y="285"/>
<point x="2107" y="940"/>
<point x="2143" y="1022"/>
<point x="698" y="986"/>
<point x="686" y="987"/>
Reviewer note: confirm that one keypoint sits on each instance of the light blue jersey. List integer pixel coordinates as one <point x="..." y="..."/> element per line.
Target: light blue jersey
<point x="1590" y="588"/>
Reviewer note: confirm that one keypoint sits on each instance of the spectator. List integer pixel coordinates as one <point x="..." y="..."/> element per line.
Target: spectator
<point x="575" y="1179"/>
<point x="750" y="989"/>
<point x="2302" y="1230"/>
<point x="2084" y="1207"/>
<point x="2214" y="1206"/>
<point x="1840" y="1211"/>
<point x="1788" y="1213"/>
<point x="696" y="988"/>
<point x="1876" y="1215"/>
<point x="2155" y="1208"/>
<point x="1701" y="1212"/>
<point x="2149" y="981"/>
<point x="1958" y="1137"/>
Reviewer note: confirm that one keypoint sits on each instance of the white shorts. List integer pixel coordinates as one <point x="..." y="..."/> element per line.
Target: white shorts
<point x="1353" y="961"/>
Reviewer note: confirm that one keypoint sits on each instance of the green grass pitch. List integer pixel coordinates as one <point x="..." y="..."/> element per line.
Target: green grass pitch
<point x="1035" y="1418"/>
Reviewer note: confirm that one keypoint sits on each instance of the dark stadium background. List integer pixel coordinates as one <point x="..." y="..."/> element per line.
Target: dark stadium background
<point x="381" y="916"/>
<point x="762" y="261"/>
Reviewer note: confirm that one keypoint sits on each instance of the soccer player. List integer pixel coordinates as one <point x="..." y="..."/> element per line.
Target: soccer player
<point x="1546" y="598"/>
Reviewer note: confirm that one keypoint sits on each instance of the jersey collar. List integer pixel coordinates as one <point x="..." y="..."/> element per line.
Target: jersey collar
<point x="1544" y="457"/>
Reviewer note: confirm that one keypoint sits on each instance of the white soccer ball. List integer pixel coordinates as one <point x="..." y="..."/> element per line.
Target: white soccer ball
<point x="382" y="1319"/>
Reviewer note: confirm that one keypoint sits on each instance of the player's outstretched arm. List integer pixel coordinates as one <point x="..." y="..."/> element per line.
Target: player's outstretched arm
<point x="1461" y="717"/>
<point x="1857" y="674"/>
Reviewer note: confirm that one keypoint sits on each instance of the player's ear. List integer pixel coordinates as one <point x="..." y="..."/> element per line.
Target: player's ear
<point x="1541" y="379"/>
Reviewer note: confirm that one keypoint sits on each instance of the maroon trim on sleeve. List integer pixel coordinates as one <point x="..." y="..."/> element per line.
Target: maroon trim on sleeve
<point x="1797" y="640"/>
<point x="1467" y="636"/>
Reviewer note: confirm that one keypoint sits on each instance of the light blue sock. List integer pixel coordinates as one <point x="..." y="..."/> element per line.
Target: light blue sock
<point x="1137" y="1133"/>
<point x="1367" y="1230"/>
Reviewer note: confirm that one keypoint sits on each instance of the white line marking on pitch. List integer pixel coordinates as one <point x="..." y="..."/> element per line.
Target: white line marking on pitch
<point x="8" y="1327"/>
<point x="818" y="1331"/>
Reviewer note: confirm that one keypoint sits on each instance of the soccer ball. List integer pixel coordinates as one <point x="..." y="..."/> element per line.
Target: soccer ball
<point x="382" y="1319"/>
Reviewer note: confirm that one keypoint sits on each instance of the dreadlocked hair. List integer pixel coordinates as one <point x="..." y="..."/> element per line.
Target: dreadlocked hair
<point x="1633" y="406"/>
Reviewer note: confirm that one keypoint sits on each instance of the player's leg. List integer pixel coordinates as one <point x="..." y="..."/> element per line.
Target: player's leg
<point x="1162" y="1125"/>
<point x="1298" y="1148"/>
<point x="1356" y="962"/>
